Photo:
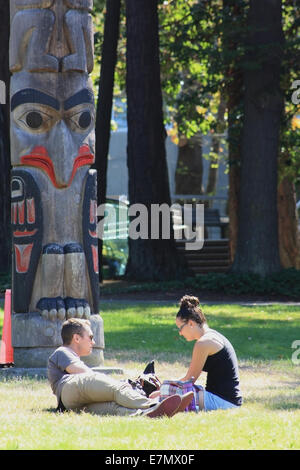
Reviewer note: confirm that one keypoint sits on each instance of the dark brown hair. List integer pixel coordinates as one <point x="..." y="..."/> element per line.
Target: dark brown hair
<point x="190" y="310"/>
<point x="72" y="327"/>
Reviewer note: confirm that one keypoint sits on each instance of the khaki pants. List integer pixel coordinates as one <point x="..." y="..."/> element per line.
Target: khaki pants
<point x="101" y="394"/>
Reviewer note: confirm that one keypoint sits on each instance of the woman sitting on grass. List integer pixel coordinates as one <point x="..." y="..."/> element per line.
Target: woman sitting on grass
<point x="212" y="353"/>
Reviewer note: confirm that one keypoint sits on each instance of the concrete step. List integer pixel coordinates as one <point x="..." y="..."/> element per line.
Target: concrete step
<point x="213" y="257"/>
<point x="206" y="250"/>
<point x="207" y="242"/>
<point x="193" y="256"/>
<point x="209" y="262"/>
<point x="209" y="269"/>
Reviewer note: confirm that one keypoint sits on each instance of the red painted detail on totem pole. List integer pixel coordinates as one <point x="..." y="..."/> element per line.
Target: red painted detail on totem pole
<point x="25" y="233"/>
<point x="93" y="234"/>
<point x="21" y="212"/>
<point x="92" y="217"/>
<point x="23" y="254"/>
<point x="84" y="157"/>
<point x="14" y="207"/>
<point x="30" y="211"/>
<point x="39" y="158"/>
<point x="95" y="258"/>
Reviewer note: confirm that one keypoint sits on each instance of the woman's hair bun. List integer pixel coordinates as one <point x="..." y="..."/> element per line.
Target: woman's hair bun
<point x="190" y="309"/>
<point x="189" y="301"/>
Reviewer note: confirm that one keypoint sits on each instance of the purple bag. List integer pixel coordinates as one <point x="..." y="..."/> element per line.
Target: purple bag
<point x="177" y="387"/>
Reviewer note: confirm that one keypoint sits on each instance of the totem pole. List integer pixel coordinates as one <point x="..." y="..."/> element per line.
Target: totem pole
<point x="55" y="260"/>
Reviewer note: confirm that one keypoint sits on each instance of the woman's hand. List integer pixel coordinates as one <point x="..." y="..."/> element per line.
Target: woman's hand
<point x="154" y="394"/>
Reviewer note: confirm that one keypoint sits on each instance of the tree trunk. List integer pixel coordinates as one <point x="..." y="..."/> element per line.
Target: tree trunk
<point x="289" y="243"/>
<point x="257" y="247"/>
<point x="234" y="156"/>
<point x="189" y="168"/>
<point x="149" y="259"/>
<point x="105" y="101"/>
<point x="233" y="12"/>
<point x="5" y="231"/>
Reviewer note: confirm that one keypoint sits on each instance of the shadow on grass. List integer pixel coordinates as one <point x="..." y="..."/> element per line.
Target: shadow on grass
<point x="277" y="402"/>
<point x="55" y="411"/>
<point x="21" y="380"/>
<point x="49" y="410"/>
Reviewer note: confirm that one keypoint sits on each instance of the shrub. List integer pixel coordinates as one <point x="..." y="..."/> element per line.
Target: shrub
<point x="284" y="283"/>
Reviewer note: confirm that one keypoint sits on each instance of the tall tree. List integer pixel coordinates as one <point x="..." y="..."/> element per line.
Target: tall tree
<point x="257" y="246"/>
<point x="5" y="250"/>
<point x="146" y="155"/>
<point x="201" y="63"/>
<point x="189" y="169"/>
<point x="105" y="100"/>
<point x="233" y="30"/>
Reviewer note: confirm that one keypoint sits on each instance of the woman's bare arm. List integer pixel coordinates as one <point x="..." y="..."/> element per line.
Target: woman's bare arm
<point x="200" y="352"/>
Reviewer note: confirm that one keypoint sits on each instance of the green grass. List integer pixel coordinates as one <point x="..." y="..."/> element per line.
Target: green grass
<point x="136" y="333"/>
<point x="257" y="332"/>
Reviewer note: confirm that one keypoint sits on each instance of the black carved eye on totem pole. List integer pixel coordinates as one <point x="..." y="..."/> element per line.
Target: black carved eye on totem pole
<point x="82" y="119"/>
<point x="37" y="112"/>
<point x="35" y="120"/>
<point x="39" y="121"/>
<point x="85" y="119"/>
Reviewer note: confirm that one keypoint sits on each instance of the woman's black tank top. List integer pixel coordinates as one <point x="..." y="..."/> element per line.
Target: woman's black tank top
<point x="222" y="373"/>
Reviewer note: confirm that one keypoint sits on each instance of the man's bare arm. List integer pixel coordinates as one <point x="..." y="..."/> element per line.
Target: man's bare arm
<point x="78" y="369"/>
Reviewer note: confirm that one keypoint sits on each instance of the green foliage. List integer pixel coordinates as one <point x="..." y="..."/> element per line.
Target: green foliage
<point x="285" y="283"/>
<point x="202" y="46"/>
<point x="289" y="161"/>
<point x="198" y="53"/>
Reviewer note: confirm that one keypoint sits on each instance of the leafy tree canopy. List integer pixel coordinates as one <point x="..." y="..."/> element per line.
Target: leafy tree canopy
<point x="201" y="43"/>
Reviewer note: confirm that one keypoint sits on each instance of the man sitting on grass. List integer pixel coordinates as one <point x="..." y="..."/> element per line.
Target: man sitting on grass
<point x="77" y="386"/>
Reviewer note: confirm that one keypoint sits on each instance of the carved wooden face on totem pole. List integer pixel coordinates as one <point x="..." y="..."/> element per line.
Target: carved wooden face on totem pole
<point x="52" y="132"/>
<point x="54" y="205"/>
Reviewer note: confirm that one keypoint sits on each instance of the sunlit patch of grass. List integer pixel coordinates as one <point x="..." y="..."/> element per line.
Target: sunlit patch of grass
<point x="268" y="419"/>
<point x="259" y="332"/>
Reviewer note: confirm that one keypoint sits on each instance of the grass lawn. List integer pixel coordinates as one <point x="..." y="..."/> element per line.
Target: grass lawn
<point x="137" y="333"/>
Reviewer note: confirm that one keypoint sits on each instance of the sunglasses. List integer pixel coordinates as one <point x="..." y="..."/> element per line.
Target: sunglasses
<point x="90" y="336"/>
<point x="181" y="327"/>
